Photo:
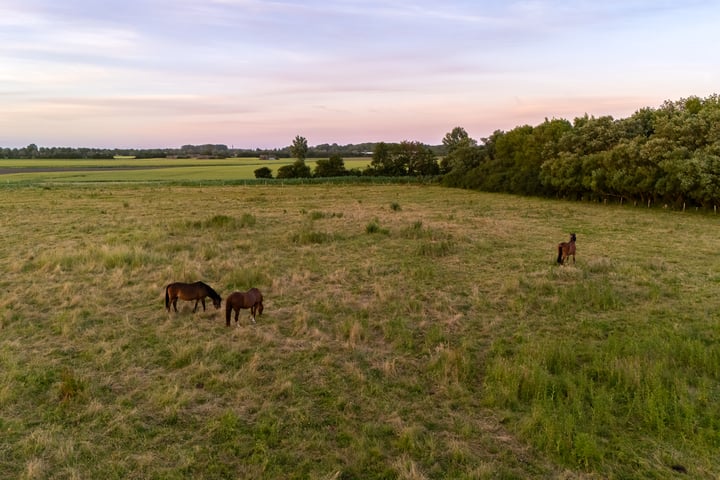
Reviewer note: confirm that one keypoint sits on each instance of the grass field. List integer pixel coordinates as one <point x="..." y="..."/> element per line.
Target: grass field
<point x="145" y="170"/>
<point x="409" y="332"/>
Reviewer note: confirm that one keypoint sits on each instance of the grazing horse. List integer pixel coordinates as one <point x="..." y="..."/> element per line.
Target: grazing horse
<point x="190" y="291"/>
<point x="251" y="299"/>
<point x="565" y="249"/>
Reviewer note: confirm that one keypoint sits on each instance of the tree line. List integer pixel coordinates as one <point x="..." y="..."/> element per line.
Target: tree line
<point x="667" y="155"/>
<point x="388" y="160"/>
<point x="186" y="151"/>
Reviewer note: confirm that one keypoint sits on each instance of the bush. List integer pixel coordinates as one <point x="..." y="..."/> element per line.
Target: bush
<point x="263" y="172"/>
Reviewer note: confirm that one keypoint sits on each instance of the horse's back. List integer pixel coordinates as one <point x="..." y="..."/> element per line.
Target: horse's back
<point x="244" y="299"/>
<point x="235" y="300"/>
<point x="174" y="287"/>
<point x="188" y="291"/>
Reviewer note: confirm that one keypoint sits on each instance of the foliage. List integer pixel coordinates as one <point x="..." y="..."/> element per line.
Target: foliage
<point x="297" y="169"/>
<point x="299" y="148"/>
<point x="263" y="172"/>
<point x="405" y="158"/>
<point x="457" y="138"/>
<point x="669" y="155"/>
<point x="332" y="167"/>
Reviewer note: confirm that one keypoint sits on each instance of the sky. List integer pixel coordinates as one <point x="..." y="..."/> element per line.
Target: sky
<point x="256" y="73"/>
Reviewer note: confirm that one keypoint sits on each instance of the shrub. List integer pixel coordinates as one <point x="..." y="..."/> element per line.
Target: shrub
<point x="263" y="172"/>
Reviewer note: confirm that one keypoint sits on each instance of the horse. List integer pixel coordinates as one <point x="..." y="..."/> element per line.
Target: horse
<point x="565" y="249"/>
<point x="251" y="299"/>
<point x="190" y="291"/>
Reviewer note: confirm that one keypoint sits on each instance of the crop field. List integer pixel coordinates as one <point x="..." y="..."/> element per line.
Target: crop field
<point x="145" y="170"/>
<point x="409" y="332"/>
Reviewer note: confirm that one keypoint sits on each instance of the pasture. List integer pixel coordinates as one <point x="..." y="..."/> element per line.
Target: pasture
<point x="409" y="332"/>
<point x="145" y="170"/>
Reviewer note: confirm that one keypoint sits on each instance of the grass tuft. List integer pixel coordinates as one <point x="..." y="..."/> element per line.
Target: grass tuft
<point x="374" y="227"/>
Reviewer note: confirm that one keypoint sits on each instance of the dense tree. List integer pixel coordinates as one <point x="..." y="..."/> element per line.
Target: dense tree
<point x="457" y="138"/>
<point x="331" y="167"/>
<point x="297" y="169"/>
<point x="382" y="162"/>
<point x="669" y="155"/>
<point x="417" y="159"/>
<point x="405" y="158"/>
<point x="263" y="172"/>
<point x="299" y="148"/>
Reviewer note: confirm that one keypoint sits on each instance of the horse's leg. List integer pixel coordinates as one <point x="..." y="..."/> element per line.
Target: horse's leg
<point x="195" y="309"/>
<point x="174" y="302"/>
<point x="252" y="312"/>
<point x="203" y="303"/>
<point x="237" y="315"/>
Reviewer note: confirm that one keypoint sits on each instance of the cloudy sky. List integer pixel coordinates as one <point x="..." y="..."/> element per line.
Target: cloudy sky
<point x="255" y="73"/>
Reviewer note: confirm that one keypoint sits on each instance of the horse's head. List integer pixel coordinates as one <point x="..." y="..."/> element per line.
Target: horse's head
<point x="216" y="302"/>
<point x="572" y="237"/>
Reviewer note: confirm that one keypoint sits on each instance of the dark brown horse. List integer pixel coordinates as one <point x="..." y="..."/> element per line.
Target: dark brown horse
<point x="565" y="249"/>
<point x="251" y="299"/>
<point x="190" y="291"/>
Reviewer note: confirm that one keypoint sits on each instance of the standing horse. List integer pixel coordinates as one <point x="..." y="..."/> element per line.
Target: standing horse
<point x="565" y="249"/>
<point x="190" y="291"/>
<point x="251" y="299"/>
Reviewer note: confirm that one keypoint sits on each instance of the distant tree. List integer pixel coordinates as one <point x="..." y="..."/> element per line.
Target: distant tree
<point x="417" y="159"/>
<point x="331" y="167"/>
<point x="455" y="166"/>
<point x="286" y="171"/>
<point x="31" y="151"/>
<point x="380" y="163"/>
<point x="457" y="138"/>
<point x="387" y="162"/>
<point x="263" y="172"/>
<point x="297" y="169"/>
<point x="405" y="158"/>
<point x="302" y="170"/>
<point x="299" y="148"/>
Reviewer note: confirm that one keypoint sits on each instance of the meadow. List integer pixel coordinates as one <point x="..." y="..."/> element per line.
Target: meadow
<point x="409" y="332"/>
<point x="145" y="169"/>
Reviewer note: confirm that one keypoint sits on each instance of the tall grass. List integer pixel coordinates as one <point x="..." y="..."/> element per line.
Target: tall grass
<point x="444" y="342"/>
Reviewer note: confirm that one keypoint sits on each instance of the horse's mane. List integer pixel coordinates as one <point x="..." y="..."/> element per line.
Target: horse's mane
<point x="213" y="294"/>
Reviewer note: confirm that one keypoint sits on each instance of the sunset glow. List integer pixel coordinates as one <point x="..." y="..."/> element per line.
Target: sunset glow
<point x="254" y="73"/>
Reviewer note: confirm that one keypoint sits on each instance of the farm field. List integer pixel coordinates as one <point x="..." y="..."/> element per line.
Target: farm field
<point x="145" y="170"/>
<point x="409" y="332"/>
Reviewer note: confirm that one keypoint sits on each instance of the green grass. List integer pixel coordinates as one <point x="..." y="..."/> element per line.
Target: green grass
<point x="148" y="170"/>
<point x="442" y="342"/>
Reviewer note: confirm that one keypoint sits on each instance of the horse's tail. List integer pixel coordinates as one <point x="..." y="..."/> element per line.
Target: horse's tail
<point x="559" y="260"/>
<point x="167" y="298"/>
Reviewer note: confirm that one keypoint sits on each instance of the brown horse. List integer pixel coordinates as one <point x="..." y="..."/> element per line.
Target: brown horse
<point x="565" y="249"/>
<point x="251" y="299"/>
<point x="190" y="291"/>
